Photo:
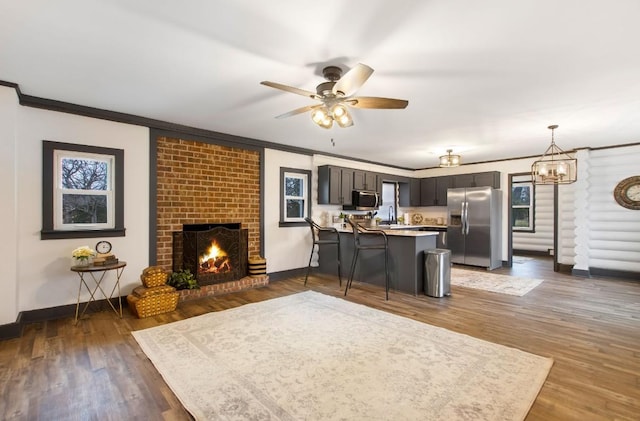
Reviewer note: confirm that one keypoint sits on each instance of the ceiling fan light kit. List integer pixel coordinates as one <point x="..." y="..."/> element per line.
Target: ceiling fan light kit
<point x="449" y="160"/>
<point x="555" y="166"/>
<point x="336" y="95"/>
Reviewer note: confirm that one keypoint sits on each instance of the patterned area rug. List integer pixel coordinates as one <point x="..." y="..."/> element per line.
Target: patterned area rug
<point x="309" y="356"/>
<point x="487" y="281"/>
<point x="521" y="259"/>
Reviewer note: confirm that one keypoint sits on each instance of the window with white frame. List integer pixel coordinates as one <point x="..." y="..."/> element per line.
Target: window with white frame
<point x="522" y="206"/>
<point x="295" y="197"/>
<point x="82" y="191"/>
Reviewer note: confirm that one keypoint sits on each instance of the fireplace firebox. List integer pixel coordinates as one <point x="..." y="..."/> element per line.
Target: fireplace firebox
<point x="214" y="253"/>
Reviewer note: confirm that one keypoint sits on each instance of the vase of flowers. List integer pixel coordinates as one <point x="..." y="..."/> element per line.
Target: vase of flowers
<point x="83" y="256"/>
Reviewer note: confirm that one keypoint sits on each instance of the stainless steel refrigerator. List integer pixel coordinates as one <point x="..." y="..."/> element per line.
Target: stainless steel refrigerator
<point x="474" y="226"/>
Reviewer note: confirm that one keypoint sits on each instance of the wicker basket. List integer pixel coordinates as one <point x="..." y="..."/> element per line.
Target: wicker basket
<point x="145" y="302"/>
<point x="257" y="266"/>
<point x="154" y="276"/>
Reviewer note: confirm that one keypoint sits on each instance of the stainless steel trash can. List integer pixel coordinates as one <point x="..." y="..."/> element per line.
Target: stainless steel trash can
<point x="437" y="272"/>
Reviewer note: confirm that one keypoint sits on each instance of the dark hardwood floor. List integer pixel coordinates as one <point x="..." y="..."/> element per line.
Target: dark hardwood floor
<point x="589" y="326"/>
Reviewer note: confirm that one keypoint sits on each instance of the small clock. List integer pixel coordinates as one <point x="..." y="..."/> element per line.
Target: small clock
<point x="103" y="247"/>
<point x="627" y="193"/>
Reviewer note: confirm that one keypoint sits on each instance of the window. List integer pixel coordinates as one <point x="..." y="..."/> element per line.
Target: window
<point x="522" y="206"/>
<point x="295" y="197"/>
<point x="389" y="208"/>
<point x="82" y="191"/>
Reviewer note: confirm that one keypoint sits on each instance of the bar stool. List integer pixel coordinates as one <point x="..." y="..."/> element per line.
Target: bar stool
<point x="315" y="236"/>
<point x="381" y="245"/>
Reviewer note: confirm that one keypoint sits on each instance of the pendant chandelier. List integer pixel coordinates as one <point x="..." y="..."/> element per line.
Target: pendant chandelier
<point x="449" y="160"/>
<point x="555" y="166"/>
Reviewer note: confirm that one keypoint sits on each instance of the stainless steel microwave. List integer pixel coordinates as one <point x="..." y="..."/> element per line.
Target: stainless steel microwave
<point x="363" y="200"/>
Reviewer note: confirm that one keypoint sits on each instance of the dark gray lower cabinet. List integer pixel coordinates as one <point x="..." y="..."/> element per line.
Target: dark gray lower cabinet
<point x="406" y="261"/>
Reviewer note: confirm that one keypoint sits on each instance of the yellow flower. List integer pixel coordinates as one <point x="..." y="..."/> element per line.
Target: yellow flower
<point x="83" y="252"/>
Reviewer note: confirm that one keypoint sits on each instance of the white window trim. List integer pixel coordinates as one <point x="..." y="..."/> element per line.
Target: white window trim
<point x="59" y="192"/>
<point x="303" y="197"/>
<point x="305" y="175"/>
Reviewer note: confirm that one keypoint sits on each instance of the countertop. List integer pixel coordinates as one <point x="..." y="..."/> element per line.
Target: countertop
<point x="397" y="232"/>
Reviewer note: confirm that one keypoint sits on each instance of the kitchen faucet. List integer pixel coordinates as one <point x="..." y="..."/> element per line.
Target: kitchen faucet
<point x="391" y="214"/>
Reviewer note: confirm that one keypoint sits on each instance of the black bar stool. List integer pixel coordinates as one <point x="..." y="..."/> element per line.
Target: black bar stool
<point x="381" y="245"/>
<point x="315" y="235"/>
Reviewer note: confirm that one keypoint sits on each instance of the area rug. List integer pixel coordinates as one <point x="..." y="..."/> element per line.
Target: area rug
<point x="309" y="356"/>
<point x="521" y="259"/>
<point x="503" y="284"/>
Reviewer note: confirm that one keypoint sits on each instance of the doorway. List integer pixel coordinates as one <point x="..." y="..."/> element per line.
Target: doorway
<point x="532" y="214"/>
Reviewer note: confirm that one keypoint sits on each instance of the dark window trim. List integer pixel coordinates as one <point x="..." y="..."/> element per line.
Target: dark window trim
<point x="48" y="233"/>
<point x="284" y="170"/>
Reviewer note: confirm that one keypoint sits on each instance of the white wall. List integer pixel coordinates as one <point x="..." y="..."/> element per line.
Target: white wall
<point x="42" y="278"/>
<point x="285" y="247"/>
<point x="8" y="208"/>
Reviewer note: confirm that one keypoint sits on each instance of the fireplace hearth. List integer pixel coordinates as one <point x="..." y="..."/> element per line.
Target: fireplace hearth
<point x="214" y="253"/>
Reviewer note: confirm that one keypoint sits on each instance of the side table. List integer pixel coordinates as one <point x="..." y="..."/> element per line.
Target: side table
<point x="97" y="273"/>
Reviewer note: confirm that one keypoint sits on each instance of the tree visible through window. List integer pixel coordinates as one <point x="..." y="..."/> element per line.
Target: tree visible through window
<point x="82" y="191"/>
<point x="85" y="190"/>
<point x="522" y="205"/>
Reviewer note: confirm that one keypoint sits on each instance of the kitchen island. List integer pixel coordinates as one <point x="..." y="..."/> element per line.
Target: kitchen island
<point x="406" y="258"/>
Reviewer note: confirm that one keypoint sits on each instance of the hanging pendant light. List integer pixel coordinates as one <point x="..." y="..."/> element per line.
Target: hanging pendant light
<point x="555" y="166"/>
<point x="449" y="160"/>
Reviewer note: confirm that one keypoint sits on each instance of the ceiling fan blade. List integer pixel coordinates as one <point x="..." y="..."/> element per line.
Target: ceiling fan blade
<point x="290" y="89"/>
<point x="353" y="79"/>
<point x="300" y="110"/>
<point x="376" y="102"/>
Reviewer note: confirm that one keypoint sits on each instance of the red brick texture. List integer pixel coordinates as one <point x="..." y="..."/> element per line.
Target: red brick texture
<point x="203" y="183"/>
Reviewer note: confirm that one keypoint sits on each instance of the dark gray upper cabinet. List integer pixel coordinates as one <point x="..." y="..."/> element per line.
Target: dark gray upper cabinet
<point x="433" y="190"/>
<point x="481" y="179"/>
<point x="442" y="185"/>
<point x="335" y="185"/>
<point x="428" y="191"/>
<point x="409" y="192"/>
<point x="415" y="192"/>
<point x="365" y="180"/>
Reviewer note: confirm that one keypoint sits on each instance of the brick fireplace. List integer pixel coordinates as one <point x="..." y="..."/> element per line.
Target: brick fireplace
<point x="200" y="183"/>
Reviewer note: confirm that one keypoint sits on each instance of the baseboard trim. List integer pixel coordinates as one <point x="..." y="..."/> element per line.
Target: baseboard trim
<point x="14" y="330"/>
<point x="286" y="274"/>
<point x="612" y="273"/>
<point x="581" y="272"/>
<point x="10" y="331"/>
<point x="531" y="253"/>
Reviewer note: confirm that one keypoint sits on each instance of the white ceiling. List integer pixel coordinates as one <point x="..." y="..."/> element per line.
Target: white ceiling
<point x="483" y="78"/>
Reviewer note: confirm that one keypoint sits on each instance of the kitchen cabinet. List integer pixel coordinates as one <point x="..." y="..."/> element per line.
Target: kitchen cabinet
<point x="428" y="191"/>
<point x="415" y="192"/>
<point x="365" y="180"/>
<point x="409" y="192"/>
<point x="335" y="185"/>
<point x="433" y="190"/>
<point x="481" y="179"/>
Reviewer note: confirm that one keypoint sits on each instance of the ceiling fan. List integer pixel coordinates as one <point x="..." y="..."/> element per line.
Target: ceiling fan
<point x="336" y="95"/>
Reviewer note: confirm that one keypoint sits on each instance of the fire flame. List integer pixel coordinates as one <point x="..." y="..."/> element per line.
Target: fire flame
<point x="214" y="260"/>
